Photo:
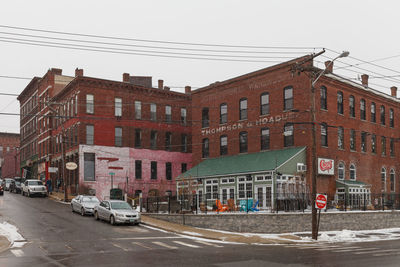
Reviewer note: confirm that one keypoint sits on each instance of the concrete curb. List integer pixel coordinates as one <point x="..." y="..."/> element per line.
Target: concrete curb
<point x="5" y="244"/>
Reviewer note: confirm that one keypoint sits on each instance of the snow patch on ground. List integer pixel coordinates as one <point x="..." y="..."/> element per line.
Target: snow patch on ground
<point x="11" y="233"/>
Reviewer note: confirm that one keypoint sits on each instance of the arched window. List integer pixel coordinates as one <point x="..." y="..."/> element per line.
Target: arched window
<point x="392" y="180"/>
<point x="243" y="142"/>
<point x="340" y="102"/>
<point x="383" y="179"/>
<point x="205" y="148"/>
<point x="383" y="115"/>
<point x="341" y="172"/>
<point x="223" y="113"/>
<point x="373" y="112"/>
<point x="264" y="103"/>
<point x="351" y="106"/>
<point x="323" y="98"/>
<point x="362" y="109"/>
<point x="223" y="145"/>
<point x="243" y="109"/>
<point x="353" y="172"/>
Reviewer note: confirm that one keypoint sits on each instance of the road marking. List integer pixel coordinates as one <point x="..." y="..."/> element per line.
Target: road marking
<point x="68" y="247"/>
<point x="147" y="237"/>
<point x="385" y="254"/>
<point x="378" y="251"/>
<point x="186" y="244"/>
<point x="119" y="246"/>
<point x="209" y="244"/>
<point x="140" y="244"/>
<point x="17" y="252"/>
<point x="164" y="245"/>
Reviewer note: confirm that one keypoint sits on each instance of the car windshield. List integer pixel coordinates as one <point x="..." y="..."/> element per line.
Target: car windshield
<point x="120" y="206"/>
<point x="35" y="183"/>
<point x="90" y="199"/>
<point x="17" y="183"/>
<point x="8" y="181"/>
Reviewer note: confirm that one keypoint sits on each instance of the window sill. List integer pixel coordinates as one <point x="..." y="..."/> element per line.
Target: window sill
<point x="324" y="109"/>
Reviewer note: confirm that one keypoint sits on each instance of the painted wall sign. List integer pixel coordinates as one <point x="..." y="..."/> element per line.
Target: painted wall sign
<point x="242" y="125"/>
<point x="326" y="166"/>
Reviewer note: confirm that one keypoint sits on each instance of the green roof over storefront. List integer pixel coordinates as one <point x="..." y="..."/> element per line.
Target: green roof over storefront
<point x="241" y="164"/>
<point x="350" y="183"/>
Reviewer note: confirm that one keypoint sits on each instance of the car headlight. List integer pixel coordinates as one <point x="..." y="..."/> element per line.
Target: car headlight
<point x="119" y="215"/>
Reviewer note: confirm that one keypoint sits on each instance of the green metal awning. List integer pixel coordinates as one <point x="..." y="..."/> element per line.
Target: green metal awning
<point x="242" y="164"/>
<point x="351" y="183"/>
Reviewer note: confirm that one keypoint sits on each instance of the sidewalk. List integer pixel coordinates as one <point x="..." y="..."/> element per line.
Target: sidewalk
<point x="4" y="243"/>
<point x="59" y="196"/>
<point x="218" y="235"/>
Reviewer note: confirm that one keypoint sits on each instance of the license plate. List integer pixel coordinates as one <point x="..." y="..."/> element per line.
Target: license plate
<point x="132" y="220"/>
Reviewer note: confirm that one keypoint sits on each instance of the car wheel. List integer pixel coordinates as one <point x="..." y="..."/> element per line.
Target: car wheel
<point x="112" y="220"/>
<point x="72" y="208"/>
<point x="29" y="193"/>
<point x="96" y="216"/>
<point x="23" y="193"/>
<point x="82" y="211"/>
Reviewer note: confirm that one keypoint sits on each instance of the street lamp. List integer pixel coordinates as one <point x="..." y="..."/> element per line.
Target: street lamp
<point x="314" y="147"/>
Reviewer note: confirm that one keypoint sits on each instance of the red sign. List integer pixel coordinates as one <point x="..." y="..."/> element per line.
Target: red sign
<point x="115" y="168"/>
<point x="108" y="159"/>
<point x="325" y="165"/>
<point x="320" y="201"/>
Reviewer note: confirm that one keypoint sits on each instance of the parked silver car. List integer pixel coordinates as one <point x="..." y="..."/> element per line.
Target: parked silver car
<point x="84" y="204"/>
<point x="116" y="211"/>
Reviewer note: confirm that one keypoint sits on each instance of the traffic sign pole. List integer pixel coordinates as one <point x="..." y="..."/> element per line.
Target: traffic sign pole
<point x="320" y="203"/>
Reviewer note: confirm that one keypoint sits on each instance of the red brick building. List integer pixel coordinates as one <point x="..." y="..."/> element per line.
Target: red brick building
<point x="357" y="127"/>
<point x="9" y="155"/>
<point x="125" y="135"/>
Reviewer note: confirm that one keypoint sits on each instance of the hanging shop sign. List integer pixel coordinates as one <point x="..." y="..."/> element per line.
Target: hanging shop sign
<point x="71" y="166"/>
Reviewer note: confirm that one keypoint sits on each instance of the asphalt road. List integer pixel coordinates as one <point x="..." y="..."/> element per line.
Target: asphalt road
<point x="58" y="237"/>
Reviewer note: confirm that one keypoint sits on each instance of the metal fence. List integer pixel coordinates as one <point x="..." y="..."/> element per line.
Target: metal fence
<point x="216" y="203"/>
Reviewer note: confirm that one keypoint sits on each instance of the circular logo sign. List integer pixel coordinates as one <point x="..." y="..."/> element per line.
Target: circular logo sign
<point x="71" y="165"/>
<point x="320" y="201"/>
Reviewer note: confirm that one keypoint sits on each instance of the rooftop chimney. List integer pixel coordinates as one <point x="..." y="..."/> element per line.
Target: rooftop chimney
<point x="364" y="80"/>
<point x="188" y="89"/>
<point x="329" y="68"/>
<point x="166" y="88"/>
<point x="160" y="84"/>
<point x="394" y="91"/>
<point x="125" y="77"/>
<point x="56" y="71"/>
<point x="78" y="72"/>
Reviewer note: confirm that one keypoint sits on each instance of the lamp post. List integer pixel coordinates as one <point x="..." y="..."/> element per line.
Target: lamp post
<point x="314" y="148"/>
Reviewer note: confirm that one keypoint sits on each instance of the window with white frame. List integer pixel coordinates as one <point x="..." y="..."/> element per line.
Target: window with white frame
<point x="341" y="171"/>
<point x="138" y="110"/>
<point x="168" y="113"/>
<point x="383" y="179"/>
<point x="118" y="107"/>
<point x="153" y="112"/>
<point x="212" y="189"/>
<point x="352" y="172"/>
<point x="392" y="180"/>
<point x="245" y="187"/>
<point x="89" y="104"/>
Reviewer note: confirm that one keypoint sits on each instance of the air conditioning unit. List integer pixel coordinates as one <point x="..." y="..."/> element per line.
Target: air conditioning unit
<point x="301" y="167"/>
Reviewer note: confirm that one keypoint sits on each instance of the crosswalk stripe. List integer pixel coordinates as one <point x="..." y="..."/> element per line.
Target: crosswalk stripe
<point x="378" y="251"/>
<point x="141" y="245"/>
<point x="119" y="246"/>
<point x="186" y="244"/>
<point x="17" y="252"/>
<point x="209" y="244"/>
<point x="164" y="245"/>
<point x="385" y="254"/>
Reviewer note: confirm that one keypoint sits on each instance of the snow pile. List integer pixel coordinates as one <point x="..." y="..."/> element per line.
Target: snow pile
<point x="11" y="233"/>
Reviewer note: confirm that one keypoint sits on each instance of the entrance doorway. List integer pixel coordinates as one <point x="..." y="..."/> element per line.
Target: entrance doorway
<point x="264" y="196"/>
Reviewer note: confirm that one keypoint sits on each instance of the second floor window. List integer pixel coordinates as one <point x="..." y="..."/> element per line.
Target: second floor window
<point x="392" y="154"/>
<point x="168" y="114"/>
<point x="138" y="169"/>
<point x="168" y="141"/>
<point x="323" y="98"/>
<point x="352" y="111"/>
<point x="153" y="170"/>
<point x="168" y="170"/>
<point x="341" y="173"/>
<point x="362" y="109"/>
<point x="340" y="138"/>
<point x="118" y="136"/>
<point x="153" y="139"/>
<point x="373" y="144"/>
<point x="373" y="112"/>
<point x="324" y="134"/>
<point x="184" y="143"/>
<point x="89" y="135"/>
<point x="205" y="120"/>
<point x="89" y="104"/>
<point x="153" y="112"/>
<point x="138" y="110"/>
<point x="383" y="145"/>
<point x="340" y="103"/>
<point x="352" y="140"/>
<point x="288" y="135"/>
<point x="205" y="148"/>
<point x="264" y="104"/>
<point x="223" y="113"/>
<point x="288" y="98"/>
<point x="383" y="115"/>
<point x="138" y="138"/>
<point x="243" y="109"/>
<point x="118" y="107"/>
<point x="243" y="142"/>
<point x="264" y="138"/>
<point x="352" y="171"/>
<point x="223" y="145"/>
<point x="183" y="116"/>
<point x="363" y="141"/>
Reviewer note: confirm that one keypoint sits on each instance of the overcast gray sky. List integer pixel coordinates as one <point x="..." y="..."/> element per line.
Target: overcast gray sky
<point x="368" y="29"/>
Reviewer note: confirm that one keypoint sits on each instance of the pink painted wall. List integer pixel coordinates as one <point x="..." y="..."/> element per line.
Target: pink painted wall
<point x="126" y="160"/>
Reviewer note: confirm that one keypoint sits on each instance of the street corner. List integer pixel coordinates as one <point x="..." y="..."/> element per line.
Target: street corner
<point x="5" y="244"/>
